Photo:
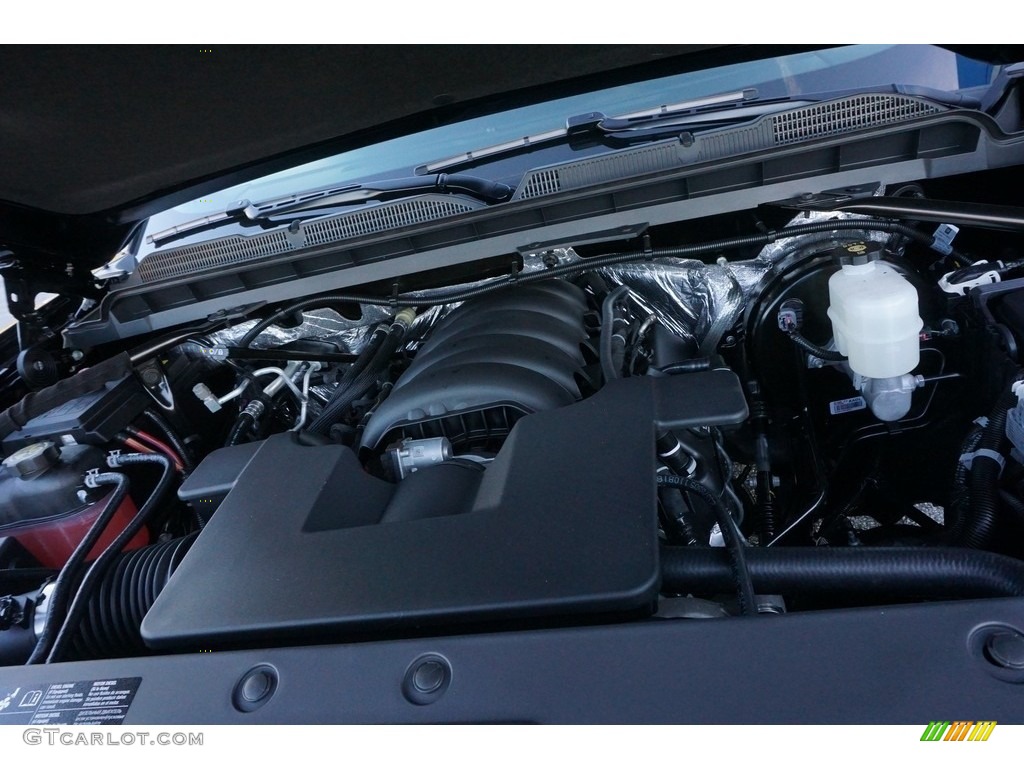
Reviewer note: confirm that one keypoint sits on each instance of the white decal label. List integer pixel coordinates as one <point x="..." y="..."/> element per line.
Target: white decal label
<point x="846" y="406"/>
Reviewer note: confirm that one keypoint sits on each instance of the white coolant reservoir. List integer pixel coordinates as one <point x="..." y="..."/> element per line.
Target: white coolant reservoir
<point x="875" y="318"/>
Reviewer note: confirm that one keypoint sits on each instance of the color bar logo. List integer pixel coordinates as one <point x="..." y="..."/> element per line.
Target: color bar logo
<point x="960" y="730"/>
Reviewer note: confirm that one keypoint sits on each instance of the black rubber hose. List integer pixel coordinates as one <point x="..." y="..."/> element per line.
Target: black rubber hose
<point x="673" y="454"/>
<point x="1013" y="504"/>
<point x="449" y="296"/>
<point x="343" y="399"/>
<point x="810" y="347"/>
<point x="365" y="358"/>
<point x="172" y="437"/>
<point x="984" y="478"/>
<point x="677" y="522"/>
<point x="609" y="369"/>
<point x="102" y="564"/>
<point x="67" y="581"/>
<point x="900" y="573"/>
<point x="688" y="366"/>
<point x="733" y="542"/>
<point x="243" y="424"/>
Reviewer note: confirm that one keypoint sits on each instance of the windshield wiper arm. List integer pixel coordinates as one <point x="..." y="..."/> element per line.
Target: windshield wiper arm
<point x="717" y="101"/>
<point x="245" y="211"/>
<point x="598" y="128"/>
<point x="387" y="189"/>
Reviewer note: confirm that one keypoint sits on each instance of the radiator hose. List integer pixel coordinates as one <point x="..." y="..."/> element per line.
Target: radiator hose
<point x="900" y="573"/>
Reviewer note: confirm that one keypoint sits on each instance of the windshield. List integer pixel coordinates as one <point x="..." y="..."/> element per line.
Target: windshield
<point x="860" y="66"/>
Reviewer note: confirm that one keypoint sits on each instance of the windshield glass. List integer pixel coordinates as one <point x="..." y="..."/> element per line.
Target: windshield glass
<point x="860" y="66"/>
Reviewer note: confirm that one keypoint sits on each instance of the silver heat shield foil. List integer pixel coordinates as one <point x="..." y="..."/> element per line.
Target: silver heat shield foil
<point x="702" y="302"/>
<point x="695" y="301"/>
<point x="328" y="325"/>
<point x="322" y="323"/>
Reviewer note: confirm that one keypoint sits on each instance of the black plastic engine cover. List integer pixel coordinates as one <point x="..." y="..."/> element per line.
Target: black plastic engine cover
<point x="564" y="521"/>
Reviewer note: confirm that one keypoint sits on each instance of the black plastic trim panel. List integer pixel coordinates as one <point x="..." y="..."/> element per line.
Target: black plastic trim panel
<point x="906" y="665"/>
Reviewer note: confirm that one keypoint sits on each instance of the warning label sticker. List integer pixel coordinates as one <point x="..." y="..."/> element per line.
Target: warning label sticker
<point x="845" y="406"/>
<point x="88" y="702"/>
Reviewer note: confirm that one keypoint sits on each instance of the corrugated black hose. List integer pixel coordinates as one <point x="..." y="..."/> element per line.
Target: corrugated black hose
<point x="960" y="497"/>
<point x="365" y="358"/>
<point x="110" y="626"/>
<point x="984" y="477"/>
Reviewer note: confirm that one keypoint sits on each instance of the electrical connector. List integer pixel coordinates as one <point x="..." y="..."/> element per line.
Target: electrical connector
<point x="791" y="315"/>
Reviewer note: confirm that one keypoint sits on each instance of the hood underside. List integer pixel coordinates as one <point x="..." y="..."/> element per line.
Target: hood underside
<point x="90" y="129"/>
<point x="93" y="139"/>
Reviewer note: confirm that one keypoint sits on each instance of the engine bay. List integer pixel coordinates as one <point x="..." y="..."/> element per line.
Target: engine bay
<point x="755" y="413"/>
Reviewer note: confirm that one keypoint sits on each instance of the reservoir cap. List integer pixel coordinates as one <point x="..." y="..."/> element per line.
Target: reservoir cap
<point x="858" y="253"/>
<point x="33" y="459"/>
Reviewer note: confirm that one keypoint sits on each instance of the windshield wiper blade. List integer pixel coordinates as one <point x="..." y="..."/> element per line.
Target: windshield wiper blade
<point x="245" y="212"/>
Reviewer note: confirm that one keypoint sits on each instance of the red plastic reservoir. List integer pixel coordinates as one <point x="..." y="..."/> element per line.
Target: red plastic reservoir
<point x="52" y="543"/>
<point x="46" y="507"/>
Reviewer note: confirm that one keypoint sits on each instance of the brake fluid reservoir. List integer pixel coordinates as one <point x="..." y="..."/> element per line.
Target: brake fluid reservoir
<point x="874" y="313"/>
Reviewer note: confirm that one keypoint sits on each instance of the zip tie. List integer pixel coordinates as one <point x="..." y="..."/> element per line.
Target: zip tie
<point x="981" y="421"/>
<point x="967" y="459"/>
